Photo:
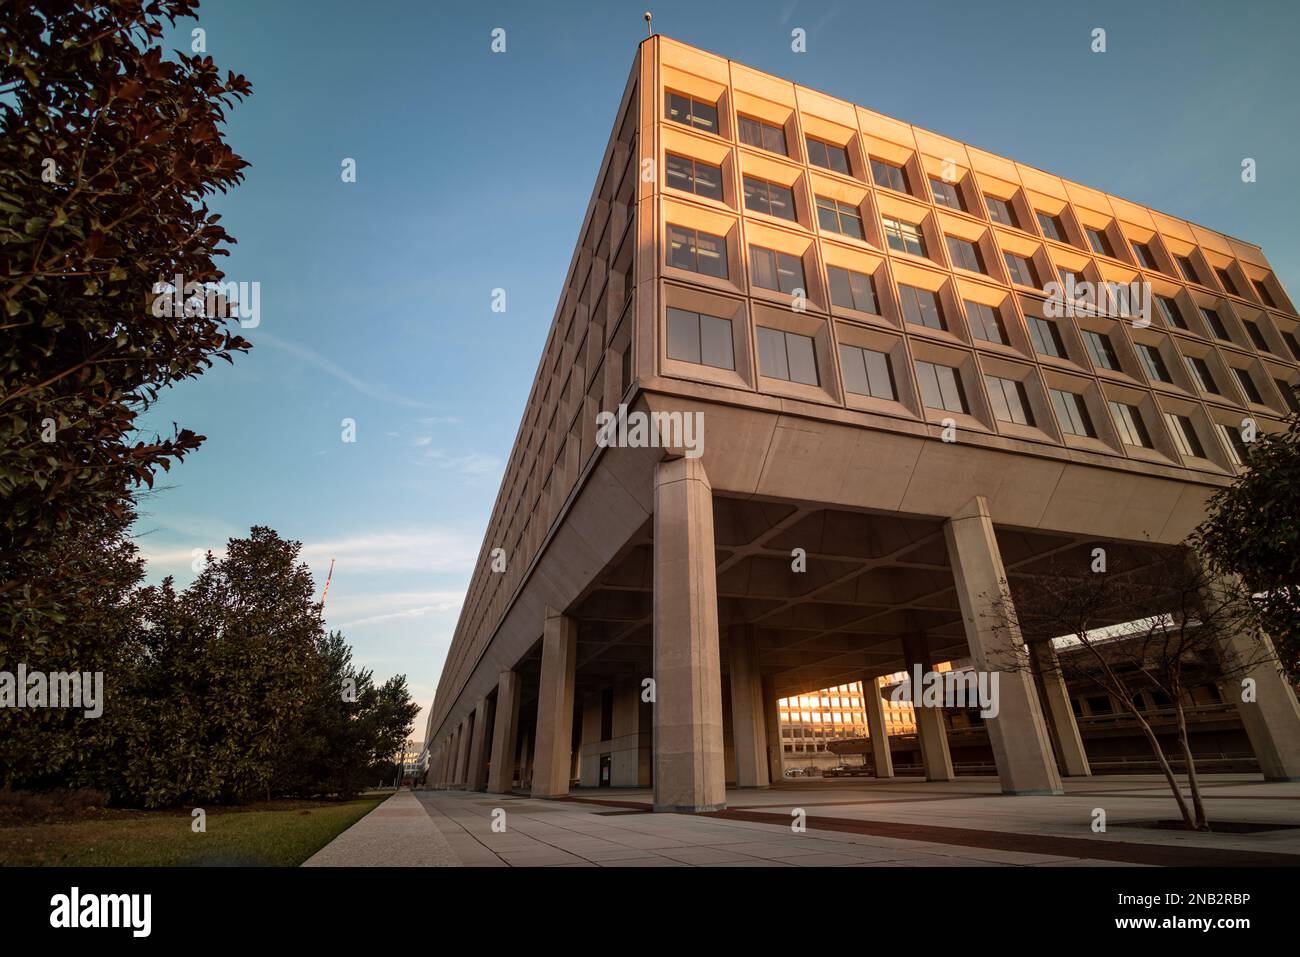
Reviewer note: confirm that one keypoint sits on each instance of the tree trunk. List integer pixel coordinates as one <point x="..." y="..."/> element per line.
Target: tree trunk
<point x="1201" y="823"/>
<point x="1165" y="769"/>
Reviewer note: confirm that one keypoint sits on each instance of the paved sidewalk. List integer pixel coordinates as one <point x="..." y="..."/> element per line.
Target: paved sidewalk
<point x="900" y="823"/>
<point x="398" y="833"/>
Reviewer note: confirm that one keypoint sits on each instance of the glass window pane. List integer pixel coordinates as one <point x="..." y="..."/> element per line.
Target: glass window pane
<point x="771" y="353"/>
<point x="715" y="342"/>
<point x="853" y="366"/>
<point x="704" y="116"/>
<point x="864" y="292"/>
<point x="708" y="180"/>
<point x="879" y="374"/>
<point x="762" y="263"/>
<point x="803" y="361"/>
<point x="681" y="248"/>
<point x="683" y="335"/>
<point x="712" y="255"/>
<point x="841" y="291"/>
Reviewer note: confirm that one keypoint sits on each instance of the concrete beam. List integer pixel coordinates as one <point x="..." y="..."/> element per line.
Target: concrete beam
<point x="501" y="772"/>
<point x="1017" y="733"/>
<point x="690" y="766"/>
<point x="554" y="748"/>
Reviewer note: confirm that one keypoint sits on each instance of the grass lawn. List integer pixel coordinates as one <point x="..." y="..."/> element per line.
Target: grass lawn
<point x="275" y="834"/>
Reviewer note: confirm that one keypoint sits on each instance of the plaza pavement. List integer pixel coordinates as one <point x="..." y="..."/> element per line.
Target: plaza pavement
<point x="904" y="822"/>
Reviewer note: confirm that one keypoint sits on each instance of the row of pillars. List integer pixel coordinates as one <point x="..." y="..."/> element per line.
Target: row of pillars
<point x="689" y="770"/>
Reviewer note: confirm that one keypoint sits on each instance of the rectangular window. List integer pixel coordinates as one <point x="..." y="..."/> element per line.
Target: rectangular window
<point x="771" y="198"/>
<point x="775" y="270"/>
<point x="1072" y="412"/>
<point x="766" y="136"/>
<point x="1169" y="310"/>
<point x="1215" y="322"/>
<point x="836" y="217"/>
<point x="1046" y="337"/>
<point x="1145" y="257"/>
<point x="1247" y="383"/>
<point x="1100" y="242"/>
<point x="1292" y="343"/>
<point x="867" y="372"/>
<point x="1022" y="270"/>
<point x="1100" y="350"/>
<point x="1201" y="375"/>
<point x="965" y="254"/>
<point x="1153" y="363"/>
<point x="904" y="237"/>
<point x="1187" y="269"/>
<point x="697" y="251"/>
<point x="1264" y="296"/>
<point x="699" y="338"/>
<point x="827" y="155"/>
<point x="1225" y="277"/>
<point x="786" y="355"/>
<point x="692" y="176"/>
<point x="921" y="307"/>
<point x="852" y="290"/>
<point x="940" y="387"/>
<point x="1128" y="421"/>
<point x="1000" y="211"/>
<point x="984" y="322"/>
<point x="890" y="176"/>
<point x="1051" y="226"/>
<point x="1009" y="401"/>
<point x="1238" y="450"/>
<point x="946" y="194"/>
<point x="691" y="112"/>
<point x="1184" y="433"/>
<point x="1256" y="335"/>
<point x="1289" y="394"/>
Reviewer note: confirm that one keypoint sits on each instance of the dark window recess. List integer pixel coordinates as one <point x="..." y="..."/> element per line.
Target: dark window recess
<point x="852" y="290"/>
<point x="693" y="176"/>
<point x="772" y="198"/>
<point x="1100" y="242"/>
<point x="1001" y="211"/>
<point x="904" y="237"/>
<point x="890" y="176"/>
<point x="867" y="372"/>
<point x="946" y="194"/>
<point x="1072" y="412"/>
<point x="1145" y="257"/>
<point x="778" y="271"/>
<point x="1100" y="350"/>
<point x="984" y="322"/>
<point x="1215" y="322"/>
<point x="1022" y="270"/>
<point x="1184" y="435"/>
<point x="1153" y="363"/>
<point x="965" y="254"/>
<point x="1128" y="422"/>
<point x="827" y="155"/>
<point x="697" y="251"/>
<point x="1051" y="226"/>
<point x="921" y="307"/>
<point x="1009" y="401"/>
<point x="1247" y="383"/>
<point x="941" y="387"/>
<point x="836" y="217"/>
<point x="1046" y="337"/>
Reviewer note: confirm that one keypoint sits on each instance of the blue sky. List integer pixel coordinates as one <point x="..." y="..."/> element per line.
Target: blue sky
<point x="375" y="295"/>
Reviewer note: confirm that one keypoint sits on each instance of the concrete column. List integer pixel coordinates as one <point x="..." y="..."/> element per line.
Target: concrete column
<point x="462" y="752"/>
<point x="1017" y="733"/>
<point x="878" y="729"/>
<point x="554" y="748"/>
<point x="747" y="727"/>
<point x="772" y="724"/>
<point x="1272" y="720"/>
<point x="930" y="728"/>
<point x="1058" y="713"/>
<point x="689" y="760"/>
<point x="476" y="778"/>
<point x="589" y="748"/>
<point x="505" y="733"/>
<point x="630" y="757"/>
<point x="526" y="759"/>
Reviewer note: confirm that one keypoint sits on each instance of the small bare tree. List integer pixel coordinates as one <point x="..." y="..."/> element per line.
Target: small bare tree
<point x="1149" y="624"/>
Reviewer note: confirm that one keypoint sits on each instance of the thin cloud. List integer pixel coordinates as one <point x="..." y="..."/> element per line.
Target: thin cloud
<point x="331" y="368"/>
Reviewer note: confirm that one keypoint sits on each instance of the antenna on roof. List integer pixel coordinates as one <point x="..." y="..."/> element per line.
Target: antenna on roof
<point x="649" y="29"/>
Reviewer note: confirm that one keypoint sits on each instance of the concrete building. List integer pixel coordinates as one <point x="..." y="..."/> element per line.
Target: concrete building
<point x="896" y="419"/>
<point x="813" y="724"/>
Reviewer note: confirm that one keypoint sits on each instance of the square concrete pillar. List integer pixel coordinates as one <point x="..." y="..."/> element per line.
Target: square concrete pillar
<point x="1018" y="733"/>
<point x="553" y="751"/>
<point x="589" y="749"/>
<point x="877" y="728"/>
<point x="689" y="760"/>
<point x="525" y="759"/>
<point x="505" y="732"/>
<point x="772" y="724"/>
<point x="1059" y="714"/>
<point x="747" y="725"/>
<point x="462" y="751"/>
<point x="630" y="749"/>
<point x="479" y="742"/>
<point x="930" y="728"/>
<point x="1272" y="720"/>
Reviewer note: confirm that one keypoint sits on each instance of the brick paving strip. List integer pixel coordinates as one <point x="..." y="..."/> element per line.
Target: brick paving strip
<point x="1158" y="855"/>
